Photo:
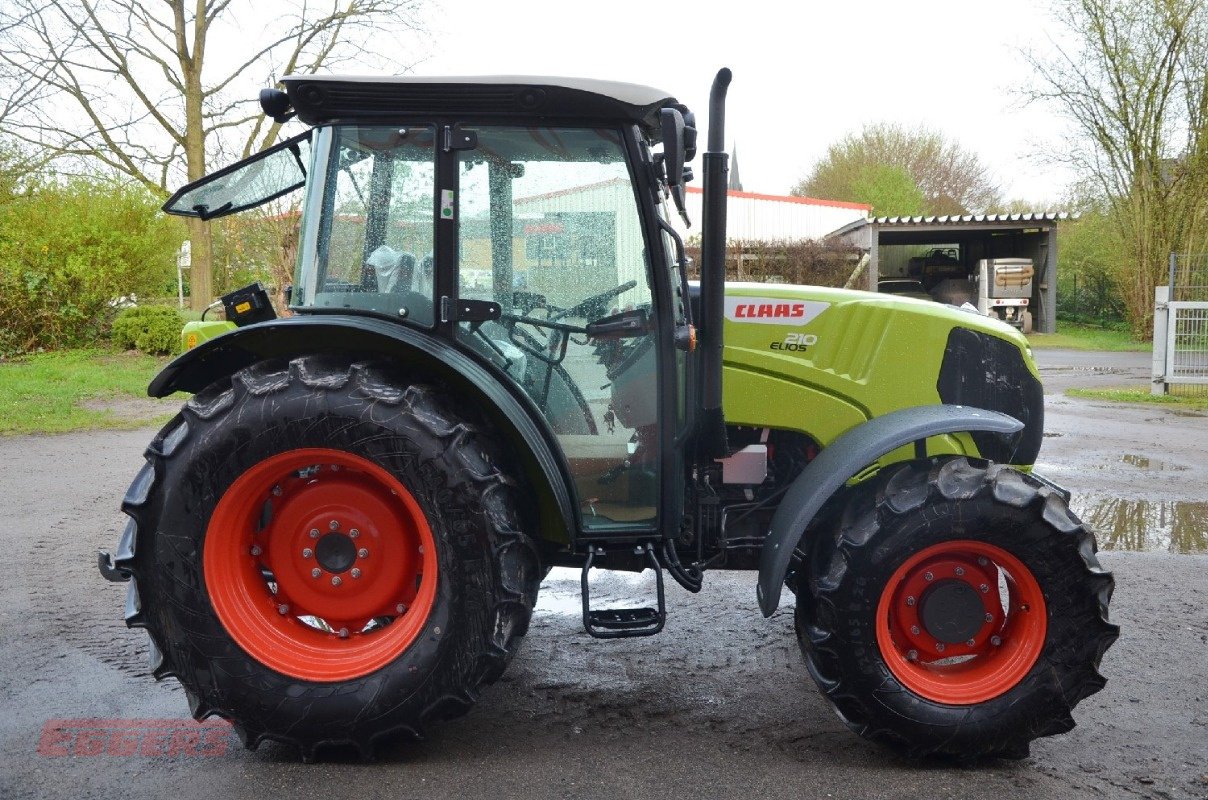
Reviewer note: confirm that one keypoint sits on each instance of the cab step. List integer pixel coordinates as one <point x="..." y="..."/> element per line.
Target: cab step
<point x="623" y="623"/>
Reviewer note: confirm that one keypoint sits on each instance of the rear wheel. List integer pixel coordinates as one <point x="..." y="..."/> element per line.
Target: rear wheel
<point x="324" y="554"/>
<point x="957" y="610"/>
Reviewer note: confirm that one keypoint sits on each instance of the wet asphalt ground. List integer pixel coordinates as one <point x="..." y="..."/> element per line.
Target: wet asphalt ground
<point x="719" y="705"/>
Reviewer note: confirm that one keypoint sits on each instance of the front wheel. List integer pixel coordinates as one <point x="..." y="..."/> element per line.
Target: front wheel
<point x="956" y="611"/>
<point x="325" y="553"/>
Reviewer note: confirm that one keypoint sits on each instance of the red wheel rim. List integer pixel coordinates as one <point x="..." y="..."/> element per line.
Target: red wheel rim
<point x="320" y="564"/>
<point x="927" y="652"/>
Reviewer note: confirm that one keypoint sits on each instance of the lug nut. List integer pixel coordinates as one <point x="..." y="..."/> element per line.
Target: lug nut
<point x="1025" y="607"/>
<point x="910" y="600"/>
<point x="982" y="561"/>
<point x="912" y="655"/>
<point x="970" y="643"/>
<point x="914" y="629"/>
<point x="960" y="571"/>
<point x="989" y="617"/>
<point x="283" y="609"/>
<point x="336" y="580"/>
<point x="421" y="549"/>
<point x="927" y="576"/>
<point x="939" y="647"/>
<point x="354" y="533"/>
<point x="356" y="573"/>
<point x="316" y="572"/>
<point x="984" y="588"/>
<point x="335" y="467"/>
<point x="314" y="533"/>
<point x="333" y="525"/>
<point x="996" y="640"/>
<point x="276" y="491"/>
<point x="343" y="633"/>
<point x="363" y="553"/>
<point x="307" y="552"/>
<point x="256" y="550"/>
<point x="401" y="608"/>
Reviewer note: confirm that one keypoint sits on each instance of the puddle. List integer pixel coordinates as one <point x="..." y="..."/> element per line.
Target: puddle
<point x="1152" y="464"/>
<point x="1160" y="526"/>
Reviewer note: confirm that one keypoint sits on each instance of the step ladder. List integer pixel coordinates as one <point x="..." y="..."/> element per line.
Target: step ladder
<point x="623" y="623"/>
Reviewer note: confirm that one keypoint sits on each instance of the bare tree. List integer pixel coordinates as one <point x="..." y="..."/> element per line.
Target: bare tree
<point x="951" y="179"/>
<point x="1131" y="76"/>
<point x="154" y="89"/>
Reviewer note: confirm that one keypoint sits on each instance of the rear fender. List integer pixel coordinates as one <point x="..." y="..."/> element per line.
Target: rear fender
<point x="845" y="458"/>
<point x="513" y="415"/>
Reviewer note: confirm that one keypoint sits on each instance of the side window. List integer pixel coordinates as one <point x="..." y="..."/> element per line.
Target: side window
<point x="375" y="249"/>
<point x="550" y="230"/>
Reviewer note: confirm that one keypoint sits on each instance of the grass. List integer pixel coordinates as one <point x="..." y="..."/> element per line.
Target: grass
<point x="1199" y="402"/>
<point x="79" y="390"/>
<point x="1076" y="336"/>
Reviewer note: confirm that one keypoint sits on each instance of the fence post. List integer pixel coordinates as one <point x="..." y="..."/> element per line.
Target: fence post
<point x="1161" y="318"/>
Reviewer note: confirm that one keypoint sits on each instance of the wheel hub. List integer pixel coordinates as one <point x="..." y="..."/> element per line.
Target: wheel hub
<point x="952" y="612"/>
<point x="336" y="552"/>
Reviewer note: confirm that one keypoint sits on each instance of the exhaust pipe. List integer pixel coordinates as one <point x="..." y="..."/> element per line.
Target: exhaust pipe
<point x="712" y="439"/>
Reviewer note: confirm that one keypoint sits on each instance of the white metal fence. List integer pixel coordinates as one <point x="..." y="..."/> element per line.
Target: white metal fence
<point x="1180" y="342"/>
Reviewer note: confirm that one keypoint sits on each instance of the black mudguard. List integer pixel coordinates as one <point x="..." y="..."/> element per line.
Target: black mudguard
<point x="509" y="407"/>
<point x="845" y="458"/>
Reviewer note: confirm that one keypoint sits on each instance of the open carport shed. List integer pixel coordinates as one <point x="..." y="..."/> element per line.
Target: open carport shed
<point x="892" y="241"/>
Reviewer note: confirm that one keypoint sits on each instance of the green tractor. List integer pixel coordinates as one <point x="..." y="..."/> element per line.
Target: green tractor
<point x="496" y="364"/>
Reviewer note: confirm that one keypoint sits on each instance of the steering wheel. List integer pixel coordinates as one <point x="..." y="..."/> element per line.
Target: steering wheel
<point x="583" y="309"/>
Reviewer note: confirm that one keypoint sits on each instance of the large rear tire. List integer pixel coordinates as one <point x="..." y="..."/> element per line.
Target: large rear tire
<point x="956" y="610"/>
<point x="325" y="554"/>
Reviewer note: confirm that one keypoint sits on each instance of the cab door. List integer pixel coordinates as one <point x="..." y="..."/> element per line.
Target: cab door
<point x="548" y="227"/>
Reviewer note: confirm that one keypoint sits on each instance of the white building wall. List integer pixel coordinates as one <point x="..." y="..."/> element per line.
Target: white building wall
<point x="769" y="217"/>
<point x="616" y="198"/>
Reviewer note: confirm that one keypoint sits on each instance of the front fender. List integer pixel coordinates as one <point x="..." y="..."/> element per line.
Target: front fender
<point x="845" y="458"/>
<point x="513" y="413"/>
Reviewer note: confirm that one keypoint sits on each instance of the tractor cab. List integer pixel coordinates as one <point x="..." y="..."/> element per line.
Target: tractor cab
<point x="520" y="222"/>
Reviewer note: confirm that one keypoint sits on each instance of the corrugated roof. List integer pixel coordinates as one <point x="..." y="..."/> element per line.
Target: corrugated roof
<point x="960" y="219"/>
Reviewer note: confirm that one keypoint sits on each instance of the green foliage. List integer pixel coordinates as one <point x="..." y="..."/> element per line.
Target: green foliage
<point x="1089" y="269"/>
<point x="889" y="189"/>
<point x="949" y="179"/>
<point x="151" y="329"/>
<point x="68" y="250"/>
<point x="1131" y="78"/>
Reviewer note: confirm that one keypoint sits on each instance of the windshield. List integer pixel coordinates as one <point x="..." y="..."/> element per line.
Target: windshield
<point x="265" y="176"/>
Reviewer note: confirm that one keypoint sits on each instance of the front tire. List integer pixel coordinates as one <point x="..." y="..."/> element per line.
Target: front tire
<point x="956" y="611"/>
<point x="323" y="554"/>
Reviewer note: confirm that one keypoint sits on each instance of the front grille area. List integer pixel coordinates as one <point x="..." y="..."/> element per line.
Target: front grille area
<point x="983" y="371"/>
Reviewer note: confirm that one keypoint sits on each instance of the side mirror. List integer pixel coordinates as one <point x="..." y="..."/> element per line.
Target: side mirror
<point x="673" y="145"/>
<point x="689" y="136"/>
<point x="672" y="122"/>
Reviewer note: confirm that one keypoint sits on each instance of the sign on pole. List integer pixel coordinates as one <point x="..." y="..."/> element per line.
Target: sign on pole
<point x="184" y="260"/>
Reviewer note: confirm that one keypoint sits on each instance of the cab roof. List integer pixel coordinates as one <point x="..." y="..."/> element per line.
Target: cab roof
<point x="320" y="99"/>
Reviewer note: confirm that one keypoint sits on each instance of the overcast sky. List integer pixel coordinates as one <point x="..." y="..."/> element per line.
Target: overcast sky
<point x="805" y="72"/>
